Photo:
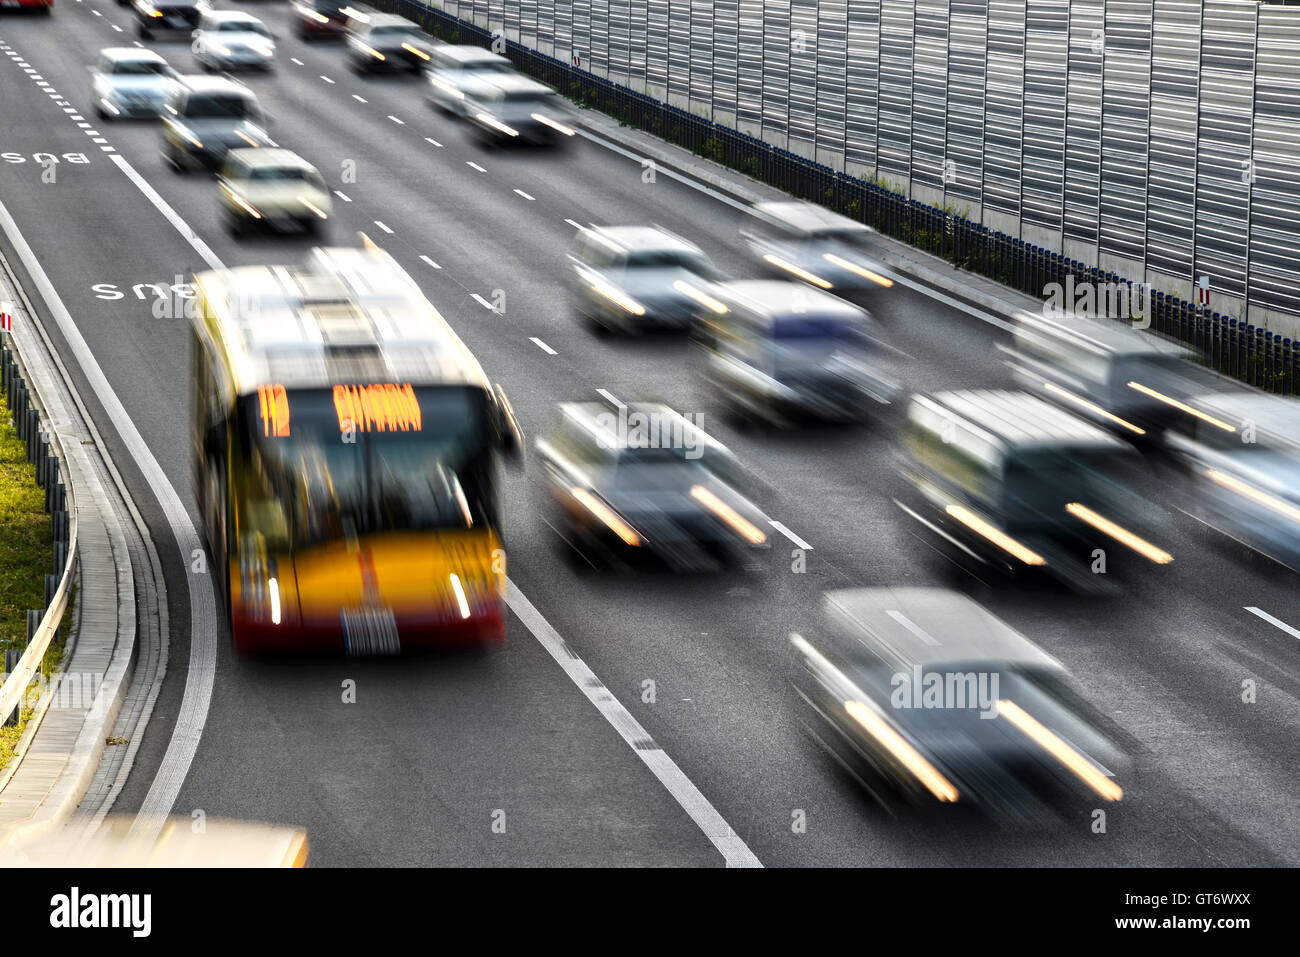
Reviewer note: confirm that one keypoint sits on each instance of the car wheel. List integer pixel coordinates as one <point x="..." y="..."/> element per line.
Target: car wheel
<point x="179" y="163"/>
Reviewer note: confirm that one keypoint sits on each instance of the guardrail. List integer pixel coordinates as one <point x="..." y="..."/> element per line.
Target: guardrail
<point x="1256" y="356"/>
<point x="45" y="452"/>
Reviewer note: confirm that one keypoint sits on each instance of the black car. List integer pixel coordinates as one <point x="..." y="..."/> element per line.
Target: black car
<point x="205" y="117"/>
<point x="168" y="16"/>
<point x="319" y="19"/>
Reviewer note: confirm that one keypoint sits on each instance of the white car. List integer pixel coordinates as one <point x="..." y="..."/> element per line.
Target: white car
<point x="227" y="39"/>
<point x="129" y="82"/>
<point x="456" y="70"/>
<point x="269" y="188"/>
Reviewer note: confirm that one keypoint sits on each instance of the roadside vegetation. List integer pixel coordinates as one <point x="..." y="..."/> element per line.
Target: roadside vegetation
<point x="26" y="551"/>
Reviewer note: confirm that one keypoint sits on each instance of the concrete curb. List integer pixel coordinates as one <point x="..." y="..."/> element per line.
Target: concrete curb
<point x="56" y="768"/>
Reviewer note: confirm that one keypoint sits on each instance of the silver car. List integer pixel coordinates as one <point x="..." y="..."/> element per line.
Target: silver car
<point x="454" y="70"/>
<point x="631" y="278"/>
<point x="810" y="243"/>
<point x="129" y="82"/>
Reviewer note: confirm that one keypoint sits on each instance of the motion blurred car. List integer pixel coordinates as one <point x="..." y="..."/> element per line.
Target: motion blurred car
<point x="168" y="16"/>
<point x="511" y="108"/>
<point x="1123" y="379"/>
<point x="129" y="82"/>
<point x="643" y="480"/>
<point x="930" y="700"/>
<point x="810" y="243"/>
<point x="782" y="352"/>
<point x="1243" y="451"/>
<point x="205" y="117"/>
<point x="319" y="19"/>
<point x="229" y="40"/>
<point x="1006" y="482"/>
<point x="272" y="189"/>
<point x="384" y="41"/>
<point x="630" y="278"/>
<point x="454" y="69"/>
<point x="44" y="6"/>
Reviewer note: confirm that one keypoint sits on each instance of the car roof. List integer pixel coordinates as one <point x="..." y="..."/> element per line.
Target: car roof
<point x="771" y="298"/>
<point x="927" y="626"/>
<point x="468" y="53"/>
<point x="268" y="157"/>
<point x="389" y="20"/>
<point x="1100" y="335"/>
<point x="226" y="16"/>
<point x="1019" y="419"/>
<point x="132" y="53"/>
<point x="516" y="83"/>
<point x="641" y="239"/>
<point x="807" y="217"/>
<point x="199" y="83"/>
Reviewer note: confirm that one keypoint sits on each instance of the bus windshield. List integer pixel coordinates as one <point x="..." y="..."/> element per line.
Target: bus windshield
<point x="334" y="471"/>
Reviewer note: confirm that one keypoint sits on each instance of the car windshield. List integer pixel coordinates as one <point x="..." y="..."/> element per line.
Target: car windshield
<point x="219" y="106"/>
<point x="141" y="68"/>
<point x="284" y="174"/>
<point x="422" y="460"/>
<point x="392" y="33"/>
<point x="795" y="328"/>
<point x="664" y="258"/>
<point x="244" y="26"/>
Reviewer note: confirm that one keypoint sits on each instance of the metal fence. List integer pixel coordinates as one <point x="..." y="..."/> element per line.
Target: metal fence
<point x="1253" y="355"/>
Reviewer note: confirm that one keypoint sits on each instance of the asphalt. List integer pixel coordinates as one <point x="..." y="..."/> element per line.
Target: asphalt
<point x="416" y="771"/>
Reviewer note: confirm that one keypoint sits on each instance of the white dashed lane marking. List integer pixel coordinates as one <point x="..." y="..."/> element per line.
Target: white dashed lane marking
<point x="791" y="535"/>
<point x="476" y="166"/>
<point x="430" y="262"/>
<point x="384" y="227"/>
<point x="575" y="225"/>
<point x="541" y="345"/>
<point x="359" y="99"/>
<point x="430" y="139"/>
<point x="396" y="120"/>
<point x="343" y="196"/>
<point x="482" y="302"/>
<point x="325" y="78"/>
<point x="1275" y="622"/>
<point x="526" y="196"/>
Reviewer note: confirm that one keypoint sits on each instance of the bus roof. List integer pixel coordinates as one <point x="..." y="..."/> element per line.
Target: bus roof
<point x="345" y="316"/>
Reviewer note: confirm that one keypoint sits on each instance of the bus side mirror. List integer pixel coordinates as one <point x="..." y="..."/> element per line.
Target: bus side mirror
<point x="512" y="436"/>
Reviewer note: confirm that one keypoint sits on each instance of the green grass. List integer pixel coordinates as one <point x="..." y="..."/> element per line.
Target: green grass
<point x="26" y="552"/>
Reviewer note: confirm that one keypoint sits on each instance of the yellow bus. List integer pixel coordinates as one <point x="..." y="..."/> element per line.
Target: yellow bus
<point x="347" y="450"/>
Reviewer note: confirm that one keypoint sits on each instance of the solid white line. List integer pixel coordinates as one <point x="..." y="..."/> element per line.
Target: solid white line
<point x="1276" y="623"/>
<point x="541" y="345"/>
<point x="359" y="99"/>
<point x="482" y="302"/>
<point x="734" y="850"/>
<point x="396" y="120"/>
<point x="476" y="166"/>
<point x="384" y="227"/>
<point x="169" y="214"/>
<point x="325" y="78"/>
<point x="791" y="535"/>
<point x="430" y="262"/>
<point x="201" y="670"/>
<point x="575" y="225"/>
<point x="526" y="196"/>
<point x="430" y="139"/>
<point x="343" y="196"/>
